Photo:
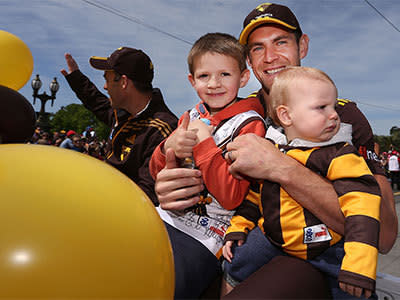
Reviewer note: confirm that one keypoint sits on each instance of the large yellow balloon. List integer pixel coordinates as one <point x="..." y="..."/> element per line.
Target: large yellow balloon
<point x="16" y="61"/>
<point x="73" y="227"/>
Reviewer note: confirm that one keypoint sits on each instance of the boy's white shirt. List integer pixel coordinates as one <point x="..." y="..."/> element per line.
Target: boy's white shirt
<point x="209" y="230"/>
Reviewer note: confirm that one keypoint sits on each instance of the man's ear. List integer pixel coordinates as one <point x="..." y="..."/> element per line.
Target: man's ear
<point x="191" y="79"/>
<point x="124" y="81"/>
<point x="283" y="115"/>
<point x="248" y="60"/>
<point x="244" y="77"/>
<point x="303" y="45"/>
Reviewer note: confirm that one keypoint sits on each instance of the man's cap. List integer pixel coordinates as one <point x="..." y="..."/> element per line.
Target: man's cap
<point x="133" y="63"/>
<point x="268" y="13"/>
<point x="70" y="132"/>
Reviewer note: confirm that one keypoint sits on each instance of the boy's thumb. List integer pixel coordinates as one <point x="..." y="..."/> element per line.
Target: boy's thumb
<point x="185" y="121"/>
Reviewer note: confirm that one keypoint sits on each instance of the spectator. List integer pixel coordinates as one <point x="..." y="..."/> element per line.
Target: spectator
<point x="67" y="143"/>
<point x="135" y="111"/>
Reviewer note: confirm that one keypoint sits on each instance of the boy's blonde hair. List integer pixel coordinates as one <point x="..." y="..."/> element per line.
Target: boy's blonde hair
<point x="279" y="93"/>
<point x="221" y="43"/>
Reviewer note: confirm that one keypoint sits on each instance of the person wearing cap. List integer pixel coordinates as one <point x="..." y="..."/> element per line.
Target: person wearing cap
<point x="274" y="41"/>
<point x="135" y="111"/>
<point x="67" y="143"/>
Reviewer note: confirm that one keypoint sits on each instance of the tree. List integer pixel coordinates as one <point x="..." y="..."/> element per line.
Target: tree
<point x="395" y="136"/>
<point x="76" y="117"/>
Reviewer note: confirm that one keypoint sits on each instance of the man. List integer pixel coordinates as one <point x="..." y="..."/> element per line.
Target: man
<point x="275" y="41"/>
<point x="67" y="143"/>
<point x="136" y="112"/>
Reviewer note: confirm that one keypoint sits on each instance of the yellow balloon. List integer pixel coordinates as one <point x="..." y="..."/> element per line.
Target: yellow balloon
<point x="16" y="61"/>
<point x="72" y="227"/>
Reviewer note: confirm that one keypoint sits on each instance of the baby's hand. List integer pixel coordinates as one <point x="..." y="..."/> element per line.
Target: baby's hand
<point x="182" y="140"/>
<point x="202" y="130"/>
<point x="355" y="290"/>
<point x="227" y="249"/>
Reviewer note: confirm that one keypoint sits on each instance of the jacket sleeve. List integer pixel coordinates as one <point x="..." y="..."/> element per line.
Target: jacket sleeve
<point x="91" y="97"/>
<point x="362" y="135"/>
<point x="228" y="190"/>
<point x="246" y="216"/>
<point x="157" y="161"/>
<point x="145" y="180"/>
<point x="359" y="199"/>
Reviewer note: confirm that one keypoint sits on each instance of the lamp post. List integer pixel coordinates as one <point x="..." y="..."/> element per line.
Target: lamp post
<point x="43" y="118"/>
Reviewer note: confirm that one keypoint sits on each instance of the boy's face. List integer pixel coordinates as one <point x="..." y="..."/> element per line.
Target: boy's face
<point x="311" y="111"/>
<point x="217" y="79"/>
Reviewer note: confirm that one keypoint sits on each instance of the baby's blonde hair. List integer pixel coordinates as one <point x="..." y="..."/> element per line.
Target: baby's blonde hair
<point x="279" y="93"/>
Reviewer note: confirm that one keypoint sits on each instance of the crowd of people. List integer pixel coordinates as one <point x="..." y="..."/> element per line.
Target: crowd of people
<point x="86" y="142"/>
<point x="276" y="196"/>
<point x="391" y="163"/>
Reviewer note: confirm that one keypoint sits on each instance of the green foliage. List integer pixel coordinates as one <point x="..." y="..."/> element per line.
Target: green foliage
<point x="395" y="134"/>
<point x="385" y="142"/>
<point x="76" y="117"/>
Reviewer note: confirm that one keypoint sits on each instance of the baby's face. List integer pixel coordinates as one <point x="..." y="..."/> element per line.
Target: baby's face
<point x="312" y="111"/>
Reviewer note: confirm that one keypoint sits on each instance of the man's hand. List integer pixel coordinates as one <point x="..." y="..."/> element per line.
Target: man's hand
<point x="255" y="157"/>
<point x="258" y="158"/>
<point x="71" y="63"/>
<point x="227" y="249"/>
<point x="355" y="290"/>
<point x="182" y="140"/>
<point x="202" y="130"/>
<point x="177" y="188"/>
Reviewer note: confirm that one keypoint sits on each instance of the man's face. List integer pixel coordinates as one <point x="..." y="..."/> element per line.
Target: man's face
<point x="271" y="49"/>
<point x="112" y="86"/>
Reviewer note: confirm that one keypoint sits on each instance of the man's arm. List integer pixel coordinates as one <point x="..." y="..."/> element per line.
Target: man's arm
<point x="256" y="157"/>
<point x="87" y="92"/>
<point x="388" y="217"/>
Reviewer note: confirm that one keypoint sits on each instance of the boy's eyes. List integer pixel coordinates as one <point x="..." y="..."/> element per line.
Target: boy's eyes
<point x="223" y="74"/>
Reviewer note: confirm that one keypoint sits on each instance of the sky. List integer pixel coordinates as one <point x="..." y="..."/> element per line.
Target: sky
<point x="349" y="40"/>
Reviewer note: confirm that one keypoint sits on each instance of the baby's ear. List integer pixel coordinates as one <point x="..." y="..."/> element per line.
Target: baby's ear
<point x="283" y="114"/>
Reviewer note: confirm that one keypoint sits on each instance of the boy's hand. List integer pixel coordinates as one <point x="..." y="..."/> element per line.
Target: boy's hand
<point x="227" y="249"/>
<point x="355" y="290"/>
<point x="182" y="140"/>
<point x="202" y="130"/>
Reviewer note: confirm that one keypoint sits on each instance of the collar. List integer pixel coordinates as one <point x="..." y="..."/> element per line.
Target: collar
<point x="343" y="135"/>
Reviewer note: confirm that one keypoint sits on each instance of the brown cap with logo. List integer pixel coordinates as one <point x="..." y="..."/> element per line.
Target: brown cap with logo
<point x="133" y="63"/>
<point x="268" y="13"/>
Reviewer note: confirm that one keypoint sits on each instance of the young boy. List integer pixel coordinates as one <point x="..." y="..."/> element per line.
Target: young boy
<point x="217" y="65"/>
<point x="303" y="104"/>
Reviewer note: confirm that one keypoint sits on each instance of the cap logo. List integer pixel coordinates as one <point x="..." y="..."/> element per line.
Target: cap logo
<point x="267" y="15"/>
<point x="263" y="6"/>
<point x="151" y="66"/>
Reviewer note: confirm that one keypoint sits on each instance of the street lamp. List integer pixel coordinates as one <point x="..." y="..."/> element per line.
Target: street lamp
<point x="36" y="85"/>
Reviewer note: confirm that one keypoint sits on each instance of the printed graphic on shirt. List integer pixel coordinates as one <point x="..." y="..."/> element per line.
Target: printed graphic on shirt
<point x="317" y="233"/>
